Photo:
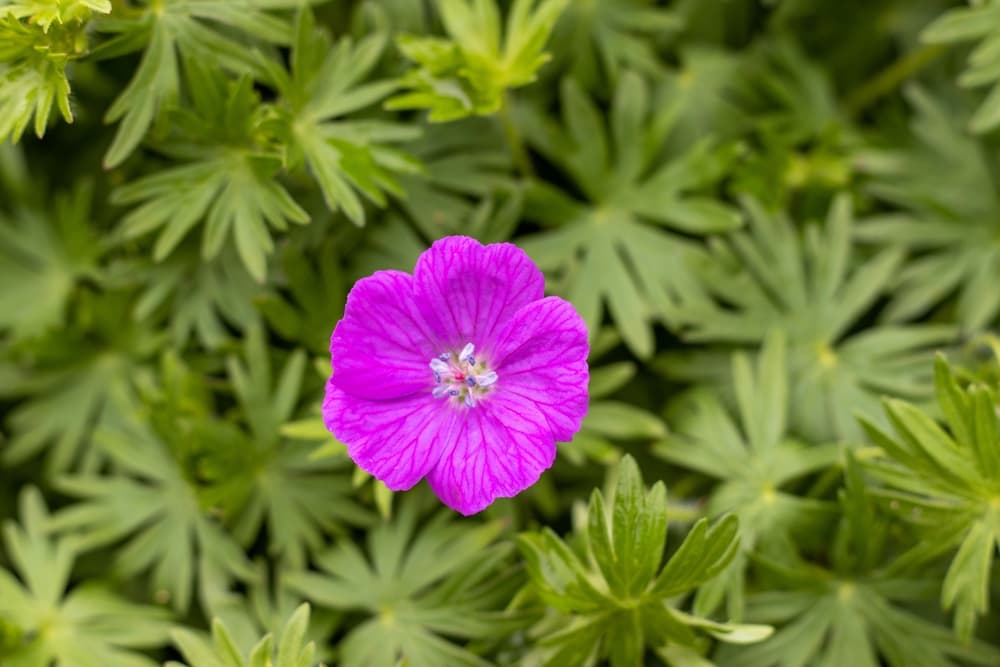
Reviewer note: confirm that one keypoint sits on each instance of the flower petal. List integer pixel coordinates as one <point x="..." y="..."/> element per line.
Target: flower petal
<point x="380" y="349"/>
<point x="467" y="290"/>
<point x="498" y="450"/>
<point x="540" y="356"/>
<point x="396" y="441"/>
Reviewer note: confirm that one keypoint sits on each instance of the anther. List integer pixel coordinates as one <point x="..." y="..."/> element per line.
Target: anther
<point x="467" y="354"/>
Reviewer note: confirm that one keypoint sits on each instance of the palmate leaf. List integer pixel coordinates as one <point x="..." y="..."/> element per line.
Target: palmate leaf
<point x="171" y="30"/>
<point x="953" y="478"/>
<point x="288" y="649"/>
<point x="50" y="250"/>
<point x="256" y="477"/>
<point x="64" y="380"/>
<point x="944" y="180"/>
<point x="602" y="251"/>
<point x="853" y="612"/>
<point x="194" y="298"/>
<point x="808" y="284"/>
<point x="754" y="459"/>
<point x="596" y="41"/>
<point x="979" y="23"/>
<point x="614" y="602"/>
<point x="323" y="87"/>
<point x="54" y="623"/>
<point x="470" y="73"/>
<point x="151" y="508"/>
<point x="228" y="181"/>
<point x="416" y="587"/>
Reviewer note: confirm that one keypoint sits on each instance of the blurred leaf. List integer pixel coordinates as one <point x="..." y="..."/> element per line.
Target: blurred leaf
<point x="415" y="588"/>
<point x="95" y="625"/>
<point x="944" y="182"/>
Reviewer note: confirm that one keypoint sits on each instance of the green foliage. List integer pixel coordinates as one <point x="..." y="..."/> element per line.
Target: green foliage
<point x="48" y="621"/>
<point x="853" y="611"/>
<point x="808" y="283"/>
<point x="755" y="461"/>
<point x="38" y="41"/>
<point x="50" y="250"/>
<point x="771" y="214"/>
<point x="222" y="651"/>
<point x="170" y="32"/>
<point x="943" y="180"/>
<point x="980" y="22"/>
<point x="229" y="183"/>
<point x="952" y="481"/>
<point x="325" y="83"/>
<point x="413" y="587"/>
<point x="470" y="73"/>
<point x="603" y="247"/>
<point x="65" y="381"/>
<point x="597" y="41"/>
<point x="613" y="601"/>
<point x="152" y="509"/>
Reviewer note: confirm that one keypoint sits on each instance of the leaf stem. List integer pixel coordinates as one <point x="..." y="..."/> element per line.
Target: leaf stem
<point x="515" y="142"/>
<point x="891" y="78"/>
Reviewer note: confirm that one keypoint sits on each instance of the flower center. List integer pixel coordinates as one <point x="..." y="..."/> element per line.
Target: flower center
<point x="463" y="377"/>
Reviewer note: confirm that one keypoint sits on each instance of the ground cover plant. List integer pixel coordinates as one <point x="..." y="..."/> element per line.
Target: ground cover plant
<point x="399" y="333"/>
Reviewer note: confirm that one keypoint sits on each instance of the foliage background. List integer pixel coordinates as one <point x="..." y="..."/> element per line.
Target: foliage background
<point x="771" y="213"/>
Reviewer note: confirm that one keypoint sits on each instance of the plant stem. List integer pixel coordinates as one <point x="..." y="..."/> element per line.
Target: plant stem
<point x="518" y="152"/>
<point x="891" y="78"/>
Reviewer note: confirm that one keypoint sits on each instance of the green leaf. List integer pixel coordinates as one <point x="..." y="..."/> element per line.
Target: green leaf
<point x="601" y="249"/>
<point x="222" y="651"/>
<point x="470" y="73"/>
<point x="414" y="586"/>
<point x="228" y="184"/>
<point x="806" y="284"/>
<point x="112" y="628"/>
<point x="171" y="32"/>
<point x="613" y="601"/>
<point x="953" y="478"/>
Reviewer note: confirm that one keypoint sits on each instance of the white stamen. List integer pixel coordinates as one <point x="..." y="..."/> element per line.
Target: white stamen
<point x="467" y="354"/>
<point x="486" y="379"/>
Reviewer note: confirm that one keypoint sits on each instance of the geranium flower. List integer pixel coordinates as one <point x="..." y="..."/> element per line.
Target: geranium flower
<point x="463" y="373"/>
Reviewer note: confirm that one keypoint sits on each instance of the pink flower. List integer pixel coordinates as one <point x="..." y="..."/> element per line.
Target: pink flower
<point x="463" y="373"/>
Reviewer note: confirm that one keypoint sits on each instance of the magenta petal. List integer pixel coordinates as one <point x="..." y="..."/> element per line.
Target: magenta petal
<point x="380" y="349"/>
<point x="541" y="358"/>
<point x="396" y="441"/>
<point x="467" y="290"/>
<point x="499" y="449"/>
